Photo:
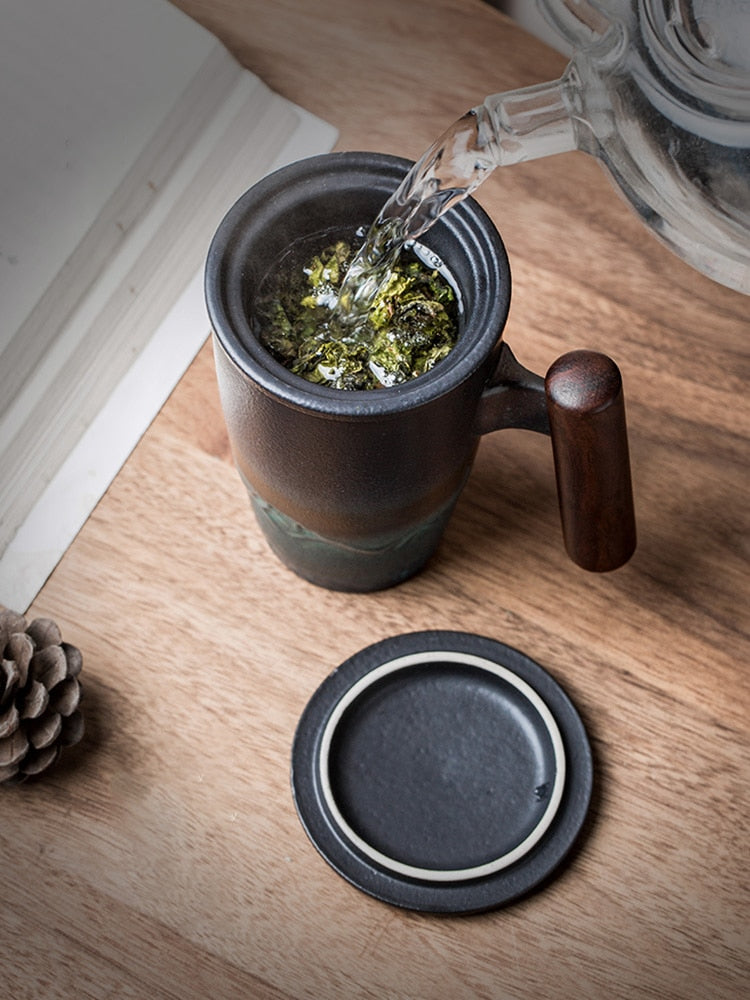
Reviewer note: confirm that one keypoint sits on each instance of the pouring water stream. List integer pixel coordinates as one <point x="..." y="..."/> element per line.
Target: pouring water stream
<point x="505" y="129"/>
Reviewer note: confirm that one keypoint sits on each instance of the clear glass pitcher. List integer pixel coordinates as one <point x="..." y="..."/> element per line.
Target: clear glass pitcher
<point x="659" y="92"/>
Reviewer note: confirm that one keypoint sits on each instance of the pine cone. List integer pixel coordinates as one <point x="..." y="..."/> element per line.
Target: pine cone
<point x="39" y="695"/>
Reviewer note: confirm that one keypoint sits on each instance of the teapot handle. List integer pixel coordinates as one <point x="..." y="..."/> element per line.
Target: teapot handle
<point x="580" y="404"/>
<point x="586" y="411"/>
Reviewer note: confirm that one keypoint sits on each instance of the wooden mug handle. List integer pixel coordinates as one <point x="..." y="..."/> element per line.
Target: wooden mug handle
<point x="586" y="410"/>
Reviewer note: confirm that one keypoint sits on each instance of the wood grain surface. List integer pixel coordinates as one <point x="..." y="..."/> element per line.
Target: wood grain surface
<point x="163" y="858"/>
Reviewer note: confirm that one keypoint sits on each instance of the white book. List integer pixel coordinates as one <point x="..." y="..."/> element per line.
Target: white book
<point x="127" y="132"/>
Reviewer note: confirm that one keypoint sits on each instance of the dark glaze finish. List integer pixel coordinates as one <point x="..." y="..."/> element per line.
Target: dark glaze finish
<point x="353" y="489"/>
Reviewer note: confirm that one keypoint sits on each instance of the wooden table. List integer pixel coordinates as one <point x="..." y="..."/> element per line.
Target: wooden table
<point x="163" y="857"/>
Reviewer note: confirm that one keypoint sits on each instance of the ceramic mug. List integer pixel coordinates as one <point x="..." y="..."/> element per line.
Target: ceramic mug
<point x="353" y="489"/>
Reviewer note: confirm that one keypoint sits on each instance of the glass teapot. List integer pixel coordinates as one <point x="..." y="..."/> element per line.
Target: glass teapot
<point x="659" y="92"/>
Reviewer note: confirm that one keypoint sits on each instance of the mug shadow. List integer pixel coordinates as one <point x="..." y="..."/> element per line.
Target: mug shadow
<point x="509" y="500"/>
<point x="693" y="525"/>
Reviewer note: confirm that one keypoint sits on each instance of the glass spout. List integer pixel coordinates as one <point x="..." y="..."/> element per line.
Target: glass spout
<point x="526" y="124"/>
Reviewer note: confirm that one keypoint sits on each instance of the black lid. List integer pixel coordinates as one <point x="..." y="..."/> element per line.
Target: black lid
<point x="442" y="771"/>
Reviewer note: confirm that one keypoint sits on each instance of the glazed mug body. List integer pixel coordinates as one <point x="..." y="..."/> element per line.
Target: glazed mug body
<point x="352" y="489"/>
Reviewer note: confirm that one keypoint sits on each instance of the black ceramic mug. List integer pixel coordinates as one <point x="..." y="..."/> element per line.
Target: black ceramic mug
<point x="354" y="488"/>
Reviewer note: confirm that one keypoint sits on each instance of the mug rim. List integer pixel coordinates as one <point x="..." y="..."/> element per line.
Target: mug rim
<point x="232" y="331"/>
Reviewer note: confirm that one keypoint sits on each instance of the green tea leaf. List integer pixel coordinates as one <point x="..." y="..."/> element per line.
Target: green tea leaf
<point x="411" y="326"/>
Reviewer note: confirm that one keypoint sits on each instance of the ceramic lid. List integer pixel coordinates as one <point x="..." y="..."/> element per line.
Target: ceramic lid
<point x="442" y="771"/>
